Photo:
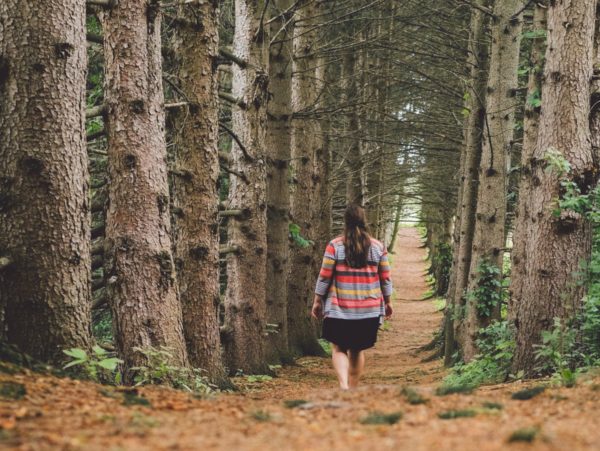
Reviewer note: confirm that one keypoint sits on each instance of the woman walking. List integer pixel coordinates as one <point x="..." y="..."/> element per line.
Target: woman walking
<point x="353" y="295"/>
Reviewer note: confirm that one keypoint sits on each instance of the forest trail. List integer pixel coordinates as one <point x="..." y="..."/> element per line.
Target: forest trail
<point x="66" y="414"/>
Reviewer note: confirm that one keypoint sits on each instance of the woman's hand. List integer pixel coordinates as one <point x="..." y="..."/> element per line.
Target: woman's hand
<point x="388" y="310"/>
<point x="317" y="308"/>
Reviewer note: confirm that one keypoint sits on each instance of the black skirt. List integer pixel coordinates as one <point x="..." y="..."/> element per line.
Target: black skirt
<point x="355" y="334"/>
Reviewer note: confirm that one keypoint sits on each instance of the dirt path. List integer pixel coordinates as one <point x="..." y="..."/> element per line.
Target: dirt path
<point x="65" y="414"/>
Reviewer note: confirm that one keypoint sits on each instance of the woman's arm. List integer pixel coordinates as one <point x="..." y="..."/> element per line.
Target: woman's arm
<point x="324" y="280"/>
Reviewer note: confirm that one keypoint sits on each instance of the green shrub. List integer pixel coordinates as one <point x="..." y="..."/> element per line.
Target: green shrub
<point x="461" y="413"/>
<point x="524" y="435"/>
<point x="496" y="349"/>
<point x="413" y="397"/>
<point x="382" y="418"/>
<point x="159" y="369"/>
<point x="489" y="292"/>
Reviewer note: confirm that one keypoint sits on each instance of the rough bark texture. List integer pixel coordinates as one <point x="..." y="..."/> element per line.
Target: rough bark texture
<point x="139" y="269"/>
<point x="530" y="134"/>
<point x="279" y="134"/>
<point x="469" y="176"/>
<point x="555" y="246"/>
<point x="196" y="199"/>
<point x="44" y="205"/>
<point x="488" y="236"/>
<point x="354" y="180"/>
<point x="245" y="303"/>
<point x="307" y="155"/>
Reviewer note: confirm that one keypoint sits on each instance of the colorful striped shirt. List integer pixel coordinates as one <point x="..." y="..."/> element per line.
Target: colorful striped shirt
<point x="354" y="293"/>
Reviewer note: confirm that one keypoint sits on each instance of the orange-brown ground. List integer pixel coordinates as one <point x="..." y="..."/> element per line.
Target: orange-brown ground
<point x="66" y="414"/>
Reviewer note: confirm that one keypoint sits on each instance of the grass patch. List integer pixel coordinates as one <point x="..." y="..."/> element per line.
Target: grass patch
<point x="492" y="405"/>
<point x="524" y="435"/>
<point x="293" y="403"/>
<point x="382" y="418"/>
<point x="413" y="397"/>
<point x="261" y="415"/>
<point x="449" y="389"/>
<point x="131" y="398"/>
<point x="12" y="390"/>
<point x="453" y="414"/>
<point x="528" y="393"/>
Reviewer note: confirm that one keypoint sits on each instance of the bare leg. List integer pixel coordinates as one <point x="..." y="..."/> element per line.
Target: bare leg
<point x="341" y="364"/>
<point x="357" y="365"/>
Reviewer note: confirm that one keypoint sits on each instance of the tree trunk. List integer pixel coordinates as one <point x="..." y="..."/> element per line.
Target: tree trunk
<point x="307" y="154"/>
<point x="279" y="133"/>
<point x="245" y="303"/>
<point x="354" y="180"/>
<point x="489" y="238"/>
<point x="195" y="191"/>
<point x="44" y="199"/>
<point x="556" y="245"/>
<point x="467" y="196"/>
<point x="139" y="269"/>
<point x="530" y="134"/>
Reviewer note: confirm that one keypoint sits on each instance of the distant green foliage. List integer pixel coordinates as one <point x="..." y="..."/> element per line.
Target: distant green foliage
<point x="102" y="325"/>
<point x="382" y="418"/>
<point x="99" y="366"/>
<point x="259" y="378"/>
<point x="534" y="34"/>
<point x="489" y="292"/>
<point x="492" y="365"/>
<point x="298" y="239"/>
<point x="490" y="405"/>
<point x="158" y="370"/>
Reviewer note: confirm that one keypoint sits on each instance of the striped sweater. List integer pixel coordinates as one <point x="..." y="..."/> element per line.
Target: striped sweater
<point x="354" y="293"/>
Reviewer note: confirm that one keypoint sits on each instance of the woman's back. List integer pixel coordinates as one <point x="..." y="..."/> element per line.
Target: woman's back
<point x="354" y="293"/>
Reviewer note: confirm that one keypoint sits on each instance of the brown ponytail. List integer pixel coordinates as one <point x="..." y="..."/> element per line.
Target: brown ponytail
<point x="356" y="237"/>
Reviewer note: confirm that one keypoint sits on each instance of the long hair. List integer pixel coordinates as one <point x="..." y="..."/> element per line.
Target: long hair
<point x="356" y="237"/>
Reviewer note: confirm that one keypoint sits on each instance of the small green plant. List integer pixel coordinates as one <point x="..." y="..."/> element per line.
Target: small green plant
<point x="261" y="415"/>
<point x="297" y="239"/>
<point x="382" y="418"/>
<point x="413" y="396"/>
<point x="453" y="414"/>
<point x="158" y="369"/>
<point x="528" y="393"/>
<point x="556" y="353"/>
<point x="98" y="366"/>
<point x="326" y="346"/>
<point x="524" y="435"/>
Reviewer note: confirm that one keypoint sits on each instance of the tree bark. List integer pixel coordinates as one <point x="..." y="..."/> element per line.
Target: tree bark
<point x="245" y="301"/>
<point x="279" y="134"/>
<point x="556" y="245"/>
<point x="196" y="198"/>
<point x="489" y="237"/>
<point x="44" y="200"/>
<point x="530" y="135"/>
<point x="477" y="63"/>
<point x="139" y="269"/>
<point x="307" y="155"/>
